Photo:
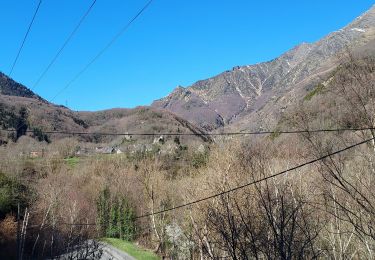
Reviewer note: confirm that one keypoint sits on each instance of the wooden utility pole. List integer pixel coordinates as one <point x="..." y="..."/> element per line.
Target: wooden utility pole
<point x="23" y="232"/>
<point x="18" y="232"/>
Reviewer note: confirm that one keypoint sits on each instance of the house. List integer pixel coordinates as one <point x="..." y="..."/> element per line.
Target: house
<point x="83" y="151"/>
<point x="36" y="154"/>
<point x="118" y="151"/>
<point x="105" y="150"/>
<point x="159" y="140"/>
<point x="127" y="137"/>
<point x="108" y="150"/>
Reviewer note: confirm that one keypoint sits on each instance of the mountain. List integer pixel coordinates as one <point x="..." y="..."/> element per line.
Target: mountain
<point x="243" y="92"/>
<point x="50" y="117"/>
<point x="244" y="98"/>
<point x="9" y="87"/>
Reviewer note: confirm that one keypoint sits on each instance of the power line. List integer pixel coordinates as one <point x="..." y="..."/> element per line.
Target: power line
<point x="40" y="161"/>
<point x="63" y="223"/>
<point x="201" y="133"/>
<point x="25" y="37"/>
<point x="79" y="224"/>
<point x="241" y="186"/>
<point x="64" y="45"/>
<point x="110" y="43"/>
<point x="256" y="181"/>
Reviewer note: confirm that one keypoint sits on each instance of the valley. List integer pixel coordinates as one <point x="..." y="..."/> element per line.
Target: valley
<point x="273" y="160"/>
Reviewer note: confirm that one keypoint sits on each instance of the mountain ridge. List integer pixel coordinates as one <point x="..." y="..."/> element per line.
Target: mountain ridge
<point x="223" y="99"/>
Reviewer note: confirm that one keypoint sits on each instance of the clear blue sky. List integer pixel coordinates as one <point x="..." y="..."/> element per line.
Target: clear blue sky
<point x="173" y="43"/>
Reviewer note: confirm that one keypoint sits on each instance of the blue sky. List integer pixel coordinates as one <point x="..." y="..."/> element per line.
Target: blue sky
<point x="173" y="43"/>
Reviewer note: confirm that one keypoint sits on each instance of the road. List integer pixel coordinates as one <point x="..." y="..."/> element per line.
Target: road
<point x="111" y="253"/>
<point x="96" y="250"/>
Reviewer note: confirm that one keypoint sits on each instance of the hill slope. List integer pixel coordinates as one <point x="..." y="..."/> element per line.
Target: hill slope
<point x="50" y="117"/>
<point x="9" y="87"/>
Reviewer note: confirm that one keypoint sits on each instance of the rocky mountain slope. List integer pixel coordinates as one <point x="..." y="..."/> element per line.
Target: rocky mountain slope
<point x="241" y="93"/>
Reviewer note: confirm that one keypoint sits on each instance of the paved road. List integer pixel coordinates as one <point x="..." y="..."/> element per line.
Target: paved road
<point x="92" y="249"/>
<point x="111" y="253"/>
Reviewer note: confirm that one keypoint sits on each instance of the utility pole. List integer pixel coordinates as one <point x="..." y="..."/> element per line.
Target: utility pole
<point x="18" y="232"/>
<point x="23" y="232"/>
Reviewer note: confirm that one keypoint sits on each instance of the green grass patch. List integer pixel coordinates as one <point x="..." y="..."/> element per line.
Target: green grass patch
<point x="131" y="249"/>
<point x="317" y="90"/>
<point x="72" y="161"/>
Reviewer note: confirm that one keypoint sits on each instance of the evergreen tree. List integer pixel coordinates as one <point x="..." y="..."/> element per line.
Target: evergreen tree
<point x="127" y="221"/>
<point x="113" y="221"/>
<point x="103" y="207"/>
<point x="21" y="123"/>
<point x="116" y="216"/>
